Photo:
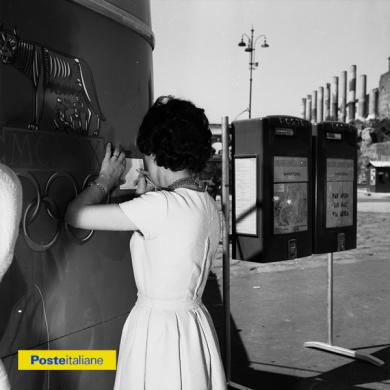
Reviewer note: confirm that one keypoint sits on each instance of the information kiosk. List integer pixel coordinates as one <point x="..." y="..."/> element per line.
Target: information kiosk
<point x="272" y="190"/>
<point x="334" y="210"/>
<point x="335" y="200"/>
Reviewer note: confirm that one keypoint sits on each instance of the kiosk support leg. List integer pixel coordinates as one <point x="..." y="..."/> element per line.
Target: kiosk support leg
<point x="225" y="241"/>
<point x="329" y="347"/>
<point x="330" y="298"/>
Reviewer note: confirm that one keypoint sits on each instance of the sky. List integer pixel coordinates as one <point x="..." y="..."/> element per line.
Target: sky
<point x="197" y="57"/>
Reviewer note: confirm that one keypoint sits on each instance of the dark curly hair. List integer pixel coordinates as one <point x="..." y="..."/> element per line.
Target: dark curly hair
<point x="177" y="133"/>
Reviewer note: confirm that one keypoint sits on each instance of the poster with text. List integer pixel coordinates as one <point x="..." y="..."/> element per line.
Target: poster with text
<point x="245" y="183"/>
<point x="339" y="192"/>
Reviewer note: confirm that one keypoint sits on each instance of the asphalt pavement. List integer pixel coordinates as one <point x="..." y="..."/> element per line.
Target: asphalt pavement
<point x="277" y="307"/>
<point x="373" y="202"/>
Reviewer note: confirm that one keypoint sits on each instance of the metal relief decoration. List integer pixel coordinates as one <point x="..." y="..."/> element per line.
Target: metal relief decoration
<point x="77" y="108"/>
<point x="51" y="208"/>
<point x="49" y="166"/>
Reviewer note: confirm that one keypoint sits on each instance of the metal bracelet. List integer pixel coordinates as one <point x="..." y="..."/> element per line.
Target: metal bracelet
<point x="100" y="186"/>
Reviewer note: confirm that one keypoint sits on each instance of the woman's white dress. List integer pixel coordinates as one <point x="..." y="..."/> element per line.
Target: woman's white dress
<point x="169" y="340"/>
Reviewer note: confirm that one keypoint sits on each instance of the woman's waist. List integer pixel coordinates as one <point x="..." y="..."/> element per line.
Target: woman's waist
<point x="144" y="300"/>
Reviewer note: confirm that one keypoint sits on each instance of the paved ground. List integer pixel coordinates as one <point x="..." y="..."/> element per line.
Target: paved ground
<point x="276" y="307"/>
<point x="374" y="202"/>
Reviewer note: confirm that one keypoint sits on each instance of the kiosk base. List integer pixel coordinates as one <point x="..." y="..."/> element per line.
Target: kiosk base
<point x="329" y="347"/>
<point x="233" y="385"/>
<point x="345" y="352"/>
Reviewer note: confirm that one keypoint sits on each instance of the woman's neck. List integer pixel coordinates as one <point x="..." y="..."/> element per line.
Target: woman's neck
<point x="167" y="177"/>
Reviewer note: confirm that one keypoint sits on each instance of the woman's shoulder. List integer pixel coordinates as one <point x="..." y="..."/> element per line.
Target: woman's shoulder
<point x="180" y="197"/>
<point x="152" y="196"/>
<point x="150" y="200"/>
<point x="200" y="198"/>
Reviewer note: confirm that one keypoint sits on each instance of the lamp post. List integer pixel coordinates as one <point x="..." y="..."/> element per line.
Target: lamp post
<point x="252" y="65"/>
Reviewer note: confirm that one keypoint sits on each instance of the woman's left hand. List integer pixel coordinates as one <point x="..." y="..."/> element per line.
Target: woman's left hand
<point x="112" y="168"/>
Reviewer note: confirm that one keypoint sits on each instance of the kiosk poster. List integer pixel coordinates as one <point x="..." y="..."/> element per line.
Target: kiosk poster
<point x="339" y="192"/>
<point x="290" y="194"/>
<point x="245" y="184"/>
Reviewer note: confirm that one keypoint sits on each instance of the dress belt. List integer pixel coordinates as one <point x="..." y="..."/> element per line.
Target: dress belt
<point x="168" y="304"/>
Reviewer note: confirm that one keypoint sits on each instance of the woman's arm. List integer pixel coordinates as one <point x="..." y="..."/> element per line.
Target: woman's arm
<point x="96" y="216"/>
<point x="85" y="212"/>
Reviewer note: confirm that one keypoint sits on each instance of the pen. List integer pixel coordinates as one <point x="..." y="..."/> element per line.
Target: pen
<point x="148" y="179"/>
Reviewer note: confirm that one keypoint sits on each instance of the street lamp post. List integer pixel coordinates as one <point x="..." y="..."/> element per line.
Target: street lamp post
<point x="252" y="65"/>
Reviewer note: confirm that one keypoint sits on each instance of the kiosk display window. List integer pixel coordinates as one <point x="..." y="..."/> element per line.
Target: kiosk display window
<point x="290" y="200"/>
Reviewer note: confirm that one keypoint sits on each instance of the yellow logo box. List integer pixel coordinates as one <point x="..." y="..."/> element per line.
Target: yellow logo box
<point x="62" y="359"/>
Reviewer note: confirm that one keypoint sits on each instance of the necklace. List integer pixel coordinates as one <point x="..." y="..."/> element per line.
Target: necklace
<point x="191" y="182"/>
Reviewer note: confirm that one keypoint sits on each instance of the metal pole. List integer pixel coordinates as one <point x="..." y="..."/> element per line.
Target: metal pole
<point x="250" y="73"/>
<point x="225" y="239"/>
<point x="330" y="298"/>
<point x="329" y="347"/>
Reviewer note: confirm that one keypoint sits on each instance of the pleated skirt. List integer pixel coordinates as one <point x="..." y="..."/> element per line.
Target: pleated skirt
<point x="169" y="345"/>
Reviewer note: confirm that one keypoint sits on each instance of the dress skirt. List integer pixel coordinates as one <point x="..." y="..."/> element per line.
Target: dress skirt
<point x="169" y="345"/>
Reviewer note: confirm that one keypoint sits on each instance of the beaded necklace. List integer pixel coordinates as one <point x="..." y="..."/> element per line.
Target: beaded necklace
<point x="190" y="182"/>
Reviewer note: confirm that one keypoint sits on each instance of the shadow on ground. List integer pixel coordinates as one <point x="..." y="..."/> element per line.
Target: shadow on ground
<point x="354" y="375"/>
<point x="241" y="372"/>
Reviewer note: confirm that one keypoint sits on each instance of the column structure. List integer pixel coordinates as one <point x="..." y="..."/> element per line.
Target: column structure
<point x="335" y="98"/>
<point x="314" y="107"/>
<point x="327" y="103"/>
<point x="373" y="104"/>
<point x="320" y="104"/>
<point x="343" y="96"/>
<point x="308" y="108"/>
<point x="352" y="94"/>
<point x="303" y="112"/>
<point x="362" y="104"/>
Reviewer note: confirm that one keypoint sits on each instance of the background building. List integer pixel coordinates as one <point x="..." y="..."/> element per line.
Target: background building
<point x="384" y="94"/>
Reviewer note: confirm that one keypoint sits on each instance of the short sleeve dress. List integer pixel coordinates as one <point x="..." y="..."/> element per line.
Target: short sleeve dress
<point x="168" y="340"/>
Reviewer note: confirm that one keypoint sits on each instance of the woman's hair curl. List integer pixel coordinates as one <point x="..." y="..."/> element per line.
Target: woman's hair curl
<point x="177" y="133"/>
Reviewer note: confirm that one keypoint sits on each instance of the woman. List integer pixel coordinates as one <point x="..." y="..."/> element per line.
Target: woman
<point x="168" y="340"/>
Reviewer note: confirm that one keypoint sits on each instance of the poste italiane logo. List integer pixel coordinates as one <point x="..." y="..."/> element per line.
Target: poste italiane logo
<point x="67" y="359"/>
